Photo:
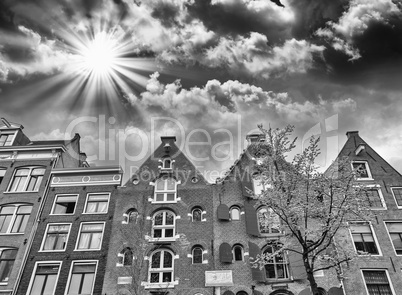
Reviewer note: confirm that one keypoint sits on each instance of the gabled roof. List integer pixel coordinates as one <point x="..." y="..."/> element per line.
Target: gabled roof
<point x="352" y="150"/>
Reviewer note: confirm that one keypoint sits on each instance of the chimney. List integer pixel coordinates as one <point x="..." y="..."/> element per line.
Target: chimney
<point x="352" y="133"/>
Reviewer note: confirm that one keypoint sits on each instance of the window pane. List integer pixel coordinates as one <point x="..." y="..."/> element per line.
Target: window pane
<point x="159" y="197"/>
<point x="38" y="171"/>
<point x="169" y="233"/>
<point x="154" y="278"/>
<point x="167" y="277"/>
<point x="18" y="183"/>
<point x="235" y="214"/>
<point x="96" y="241"/>
<point x="197" y="255"/>
<point x="167" y="260"/>
<point x="361" y="170"/>
<point x="24" y="210"/>
<point x="156" y="260"/>
<point x="196" y="215"/>
<point x="5" y="223"/>
<point x="169" y="218"/>
<point x="171" y="184"/>
<point x="160" y="185"/>
<point x="158" y="220"/>
<point x="169" y="197"/>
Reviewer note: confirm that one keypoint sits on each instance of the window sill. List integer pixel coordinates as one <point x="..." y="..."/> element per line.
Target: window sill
<point x="11" y="234"/>
<point x="159" y="285"/>
<point x="365" y="179"/>
<point x="22" y="192"/>
<point x="51" y="251"/>
<point x="161" y="240"/>
<point x="81" y="250"/>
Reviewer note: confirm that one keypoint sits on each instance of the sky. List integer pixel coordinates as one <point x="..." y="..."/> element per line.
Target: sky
<point x="122" y="73"/>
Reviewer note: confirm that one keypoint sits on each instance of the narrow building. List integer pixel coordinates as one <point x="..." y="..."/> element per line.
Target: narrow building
<point x="377" y="242"/>
<point x="69" y="250"/>
<point x="162" y="236"/>
<point x="25" y="168"/>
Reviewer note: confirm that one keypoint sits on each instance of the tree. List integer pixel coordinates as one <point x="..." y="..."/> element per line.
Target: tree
<point x="313" y="207"/>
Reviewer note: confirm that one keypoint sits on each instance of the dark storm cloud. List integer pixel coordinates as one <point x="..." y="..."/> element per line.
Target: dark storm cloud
<point x="166" y="13"/>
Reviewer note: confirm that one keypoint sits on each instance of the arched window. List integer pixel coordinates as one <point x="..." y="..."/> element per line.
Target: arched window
<point x="130" y="216"/>
<point x="196" y="214"/>
<point x="14" y="218"/>
<point x="197" y="254"/>
<point x="237" y="253"/>
<point x="27" y="179"/>
<point x="127" y="257"/>
<point x="166" y="163"/>
<point x="165" y="190"/>
<point x="234" y="213"/>
<point x="161" y="267"/>
<point x="277" y="267"/>
<point x="268" y="221"/>
<point x="163" y="224"/>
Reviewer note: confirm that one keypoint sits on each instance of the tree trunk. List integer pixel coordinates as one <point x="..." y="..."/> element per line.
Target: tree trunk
<point x="310" y="276"/>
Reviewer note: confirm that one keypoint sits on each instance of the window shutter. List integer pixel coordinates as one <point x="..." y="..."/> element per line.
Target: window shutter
<point x="257" y="273"/>
<point x="225" y="253"/>
<point x="247" y="183"/>
<point x="223" y="212"/>
<point x="297" y="266"/>
<point x="335" y="291"/>
<point x="251" y="220"/>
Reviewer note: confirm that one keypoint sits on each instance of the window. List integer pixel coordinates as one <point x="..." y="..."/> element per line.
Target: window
<point x="166" y="163"/>
<point x="65" y="204"/>
<point x="395" y="233"/>
<point x="197" y="255"/>
<point x="362" y="170"/>
<point x="56" y="237"/>
<point x="14" y="218"/>
<point x="165" y="190"/>
<point x="277" y="267"/>
<point x="237" y="253"/>
<point x="131" y="216"/>
<point x="7" y="258"/>
<point x="82" y="278"/>
<point x="90" y="236"/>
<point x="196" y="214"/>
<point x="234" y="213"/>
<point x="163" y="224"/>
<point x="377" y="282"/>
<point x="126" y="257"/>
<point x="161" y="267"/>
<point x="44" y="278"/>
<point x="363" y="238"/>
<point x="6" y="139"/>
<point x="2" y="173"/>
<point x="374" y="197"/>
<point x="27" y="179"/>
<point x="268" y="221"/>
<point x="397" y="192"/>
<point x="97" y="203"/>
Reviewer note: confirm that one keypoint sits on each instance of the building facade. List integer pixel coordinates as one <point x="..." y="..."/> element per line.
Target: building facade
<point x="377" y="242"/>
<point x="25" y="168"/>
<point x="69" y="249"/>
<point x="162" y="237"/>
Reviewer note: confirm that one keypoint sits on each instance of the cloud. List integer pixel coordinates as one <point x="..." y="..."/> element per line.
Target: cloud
<point x="344" y="34"/>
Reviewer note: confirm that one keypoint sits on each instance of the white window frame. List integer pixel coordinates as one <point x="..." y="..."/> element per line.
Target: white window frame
<point x="230" y="213"/>
<point x="163" y="164"/>
<point x="163" y="227"/>
<point x="3" y="172"/>
<point x="60" y="263"/>
<point x="370" y="176"/>
<point x="31" y="168"/>
<point x="161" y="270"/>
<point x="286" y="262"/>
<point x="165" y="192"/>
<point x="1" y="252"/>
<point x="373" y="234"/>
<point x="269" y="234"/>
<point x="378" y="187"/>
<point x="46" y="232"/>
<point x="192" y="214"/>
<point x="96" y="193"/>
<point x="393" y="194"/>
<point x="13" y="219"/>
<point x="71" y="271"/>
<point x="79" y="235"/>
<point x="389" y="235"/>
<point x="8" y="133"/>
<point x="242" y="252"/>
<point x="376" y="269"/>
<point x="64" y="195"/>
<point x="202" y="254"/>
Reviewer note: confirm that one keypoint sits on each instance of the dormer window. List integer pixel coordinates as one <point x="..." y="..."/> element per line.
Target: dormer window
<point x="6" y="138"/>
<point x="165" y="190"/>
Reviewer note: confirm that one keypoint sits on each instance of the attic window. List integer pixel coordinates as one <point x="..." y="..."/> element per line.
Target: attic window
<point x="6" y="138"/>
<point x="362" y="170"/>
<point x="167" y="163"/>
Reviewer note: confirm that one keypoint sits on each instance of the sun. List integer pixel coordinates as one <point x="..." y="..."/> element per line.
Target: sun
<point x="100" y="55"/>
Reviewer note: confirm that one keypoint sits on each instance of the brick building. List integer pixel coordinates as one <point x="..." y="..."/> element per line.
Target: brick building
<point x="162" y="235"/>
<point x="69" y="251"/>
<point x="377" y="270"/>
<point x="25" y="168"/>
